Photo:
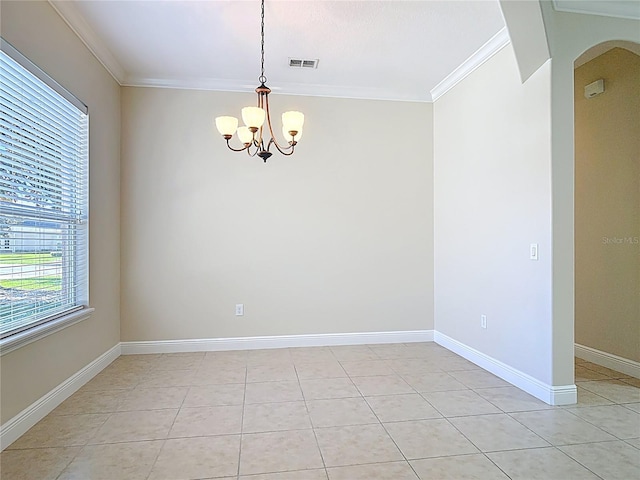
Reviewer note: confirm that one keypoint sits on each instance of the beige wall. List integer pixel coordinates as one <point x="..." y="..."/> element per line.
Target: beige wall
<point x="569" y="36"/>
<point x="347" y="248"/>
<point x="492" y="200"/>
<point x="335" y="239"/>
<point x="28" y="373"/>
<point x="607" y="205"/>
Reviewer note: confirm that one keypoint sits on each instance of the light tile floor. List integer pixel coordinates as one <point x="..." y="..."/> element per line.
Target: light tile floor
<point x="402" y="411"/>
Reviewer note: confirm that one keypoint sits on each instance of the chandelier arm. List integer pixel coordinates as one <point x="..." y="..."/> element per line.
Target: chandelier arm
<point x="284" y="151"/>
<point x="259" y="142"/>
<point x="255" y="152"/>
<point x="273" y="137"/>
<point x="246" y="147"/>
<point x="257" y="136"/>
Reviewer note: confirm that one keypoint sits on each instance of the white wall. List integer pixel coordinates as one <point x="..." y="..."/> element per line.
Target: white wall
<point x="492" y="200"/>
<point x="569" y="35"/>
<point x="28" y="373"/>
<point x="335" y="239"/>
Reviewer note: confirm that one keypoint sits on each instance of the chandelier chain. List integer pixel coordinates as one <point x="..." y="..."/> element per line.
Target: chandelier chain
<point x="258" y="119"/>
<point x="262" y="78"/>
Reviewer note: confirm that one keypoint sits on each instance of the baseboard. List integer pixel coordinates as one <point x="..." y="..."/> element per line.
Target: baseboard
<point x="18" y="425"/>
<point x="283" y="341"/>
<point x="609" y="360"/>
<point x="553" y="395"/>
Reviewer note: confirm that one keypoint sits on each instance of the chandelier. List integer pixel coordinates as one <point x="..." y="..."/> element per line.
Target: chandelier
<point x="251" y="134"/>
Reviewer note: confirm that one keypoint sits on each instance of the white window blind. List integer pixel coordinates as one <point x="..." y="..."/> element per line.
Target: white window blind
<point x="43" y="197"/>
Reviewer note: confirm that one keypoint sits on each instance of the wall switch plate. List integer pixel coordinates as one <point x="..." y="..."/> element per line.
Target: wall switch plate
<point x="483" y="321"/>
<point x="533" y="251"/>
<point x="239" y="309"/>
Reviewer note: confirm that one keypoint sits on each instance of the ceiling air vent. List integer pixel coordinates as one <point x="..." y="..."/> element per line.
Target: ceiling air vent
<point x="302" y="63"/>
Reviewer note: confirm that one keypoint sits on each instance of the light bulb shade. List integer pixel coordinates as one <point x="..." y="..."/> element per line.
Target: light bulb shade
<point x="253" y="116"/>
<point x="292" y="121"/>
<point x="289" y="138"/>
<point x="226" y="125"/>
<point x="245" y="135"/>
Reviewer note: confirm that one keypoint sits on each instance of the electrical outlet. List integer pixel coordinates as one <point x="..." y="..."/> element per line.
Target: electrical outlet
<point x="483" y="321"/>
<point x="239" y="309"/>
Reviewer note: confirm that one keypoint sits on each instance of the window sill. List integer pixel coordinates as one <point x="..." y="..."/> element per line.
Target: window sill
<point x="21" y="339"/>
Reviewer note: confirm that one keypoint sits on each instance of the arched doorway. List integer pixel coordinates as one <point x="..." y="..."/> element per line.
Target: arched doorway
<point x="607" y="209"/>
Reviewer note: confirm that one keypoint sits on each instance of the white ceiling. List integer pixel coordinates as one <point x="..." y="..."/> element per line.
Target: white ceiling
<point x="394" y="49"/>
<point x="397" y="50"/>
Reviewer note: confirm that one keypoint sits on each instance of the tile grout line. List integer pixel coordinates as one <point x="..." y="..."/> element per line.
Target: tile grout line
<point x="244" y="403"/>
<point x="461" y="433"/>
<point x="551" y="445"/>
<point x="67" y="464"/>
<point x="313" y="429"/>
<point x="164" y="442"/>
<point x="387" y="431"/>
<point x="578" y="462"/>
<point x="596" y="426"/>
<point x="109" y="415"/>
<point x="376" y="415"/>
<point x="442" y="417"/>
<point x="391" y="437"/>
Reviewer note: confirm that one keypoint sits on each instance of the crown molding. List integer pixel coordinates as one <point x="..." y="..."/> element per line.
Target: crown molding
<point x="607" y="8"/>
<point x="72" y="17"/>
<point x="189" y="84"/>
<point x="307" y="90"/>
<point x="484" y="53"/>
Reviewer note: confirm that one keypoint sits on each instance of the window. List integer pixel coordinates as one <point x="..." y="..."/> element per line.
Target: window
<point x="43" y="200"/>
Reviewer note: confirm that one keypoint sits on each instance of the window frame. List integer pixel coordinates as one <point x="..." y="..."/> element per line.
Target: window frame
<point x="58" y="321"/>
